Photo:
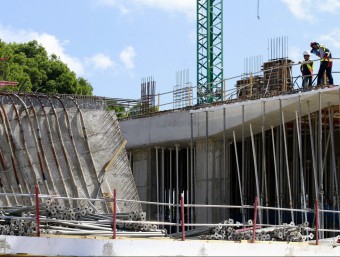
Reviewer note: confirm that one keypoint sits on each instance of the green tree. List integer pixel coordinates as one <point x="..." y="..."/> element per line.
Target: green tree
<point x="119" y="109"/>
<point x="35" y="71"/>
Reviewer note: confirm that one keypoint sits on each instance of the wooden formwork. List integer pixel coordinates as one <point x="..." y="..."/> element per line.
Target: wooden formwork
<point x="278" y="75"/>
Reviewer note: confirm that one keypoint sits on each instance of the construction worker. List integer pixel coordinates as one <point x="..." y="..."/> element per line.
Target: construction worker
<point x="326" y="62"/>
<point x="306" y="71"/>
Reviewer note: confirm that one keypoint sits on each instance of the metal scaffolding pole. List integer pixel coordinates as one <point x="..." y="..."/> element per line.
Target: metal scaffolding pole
<point x="157" y="183"/>
<point x="171" y="199"/>
<point x="191" y="165"/>
<point x="264" y="160"/>
<point x="276" y="178"/>
<point x="162" y="186"/>
<point x="280" y="157"/>
<point x="313" y="155"/>
<point x="298" y="127"/>
<point x="239" y="180"/>
<point x="177" y="188"/>
<point x="255" y="169"/>
<point x="287" y="164"/>
<point x="188" y="184"/>
<point x="321" y="169"/>
<point x="335" y="177"/>
<point x="243" y="152"/>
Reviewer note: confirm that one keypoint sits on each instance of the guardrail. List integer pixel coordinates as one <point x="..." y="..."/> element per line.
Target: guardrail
<point x="106" y="224"/>
<point x="229" y="93"/>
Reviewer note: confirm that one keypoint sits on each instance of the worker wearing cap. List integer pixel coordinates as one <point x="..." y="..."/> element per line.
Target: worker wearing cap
<point x="326" y="62"/>
<point x="306" y="71"/>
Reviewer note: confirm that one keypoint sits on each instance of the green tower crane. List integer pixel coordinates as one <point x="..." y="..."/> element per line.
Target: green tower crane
<point x="209" y="51"/>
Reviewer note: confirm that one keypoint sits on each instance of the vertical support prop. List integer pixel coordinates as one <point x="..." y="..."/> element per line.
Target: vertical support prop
<point x="177" y="187"/>
<point x="316" y="222"/>
<point x="255" y="216"/>
<point x="114" y="206"/>
<point x="37" y="209"/>
<point x="182" y="216"/>
<point x="157" y="182"/>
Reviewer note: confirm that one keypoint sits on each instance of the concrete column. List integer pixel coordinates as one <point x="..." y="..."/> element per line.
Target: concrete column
<point x="142" y="175"/>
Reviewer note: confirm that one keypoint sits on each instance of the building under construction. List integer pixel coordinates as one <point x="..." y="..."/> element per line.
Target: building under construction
<point x="279" y="146"/>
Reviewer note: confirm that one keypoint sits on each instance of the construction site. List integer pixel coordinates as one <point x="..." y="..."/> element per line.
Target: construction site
<point x="255" y="162"/>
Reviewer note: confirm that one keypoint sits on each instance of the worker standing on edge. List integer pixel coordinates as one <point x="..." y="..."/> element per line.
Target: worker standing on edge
<point x="306" y="71"/>
<point x="326" y="62"/>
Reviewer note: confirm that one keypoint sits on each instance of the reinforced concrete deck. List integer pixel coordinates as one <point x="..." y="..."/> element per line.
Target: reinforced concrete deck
<point x="182" y="125"/>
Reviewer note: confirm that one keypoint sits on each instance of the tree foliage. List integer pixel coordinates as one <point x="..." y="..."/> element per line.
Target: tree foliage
<point x="35" y="71"/>
<point x="119" y="110"/>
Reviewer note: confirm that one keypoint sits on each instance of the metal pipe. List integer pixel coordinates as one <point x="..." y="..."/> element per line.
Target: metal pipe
<point x="162" y="184"/>
<point x="317" y="221"/>
<point x="321" y="164"/>
<point x="170" y="187"/>
<point x="188" y="182"/>
<point x="177" y="187"/>
<point x="239" y="179"/>
<point x="287" y="164"/>
<point x="335" y="177"/>
<point x="243" y="157"/>
<point x="276" y="177"/>
<point x="157" y="182"/>
<point x="313" y="154"/>
<point x="191" y="165"/>
<point x="264" y="167"/>
<point x="298" y="127"/>
<point x="255" y="169"/>
<point x="182" y="216"/>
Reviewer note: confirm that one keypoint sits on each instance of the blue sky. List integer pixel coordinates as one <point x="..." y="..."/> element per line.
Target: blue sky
<point x="114" y="44"/>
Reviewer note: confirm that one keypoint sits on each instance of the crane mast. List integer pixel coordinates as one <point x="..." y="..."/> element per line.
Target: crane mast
<point x="209" y="51"/>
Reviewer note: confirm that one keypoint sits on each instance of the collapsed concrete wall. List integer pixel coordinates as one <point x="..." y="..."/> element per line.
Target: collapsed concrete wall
<point x="68" y="146"/>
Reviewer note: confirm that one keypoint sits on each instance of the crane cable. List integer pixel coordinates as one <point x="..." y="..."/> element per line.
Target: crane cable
<point x="258" y="9"/>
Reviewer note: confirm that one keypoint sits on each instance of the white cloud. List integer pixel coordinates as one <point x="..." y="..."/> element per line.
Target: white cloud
<point x="331" y="39"/>
<point x="301" y="9"/>
<point x="330" y="6"/>
<point x="101" y="61"/>
<point x="115" y="4"/>
<point x="127" y="57"/>
<point x="49" y="42"/>
<point x="188" y="7"/>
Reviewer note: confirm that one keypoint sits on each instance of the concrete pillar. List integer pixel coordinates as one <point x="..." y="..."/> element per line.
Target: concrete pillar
<point x="142" y="176"/>
<point x="216" y="177"/>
